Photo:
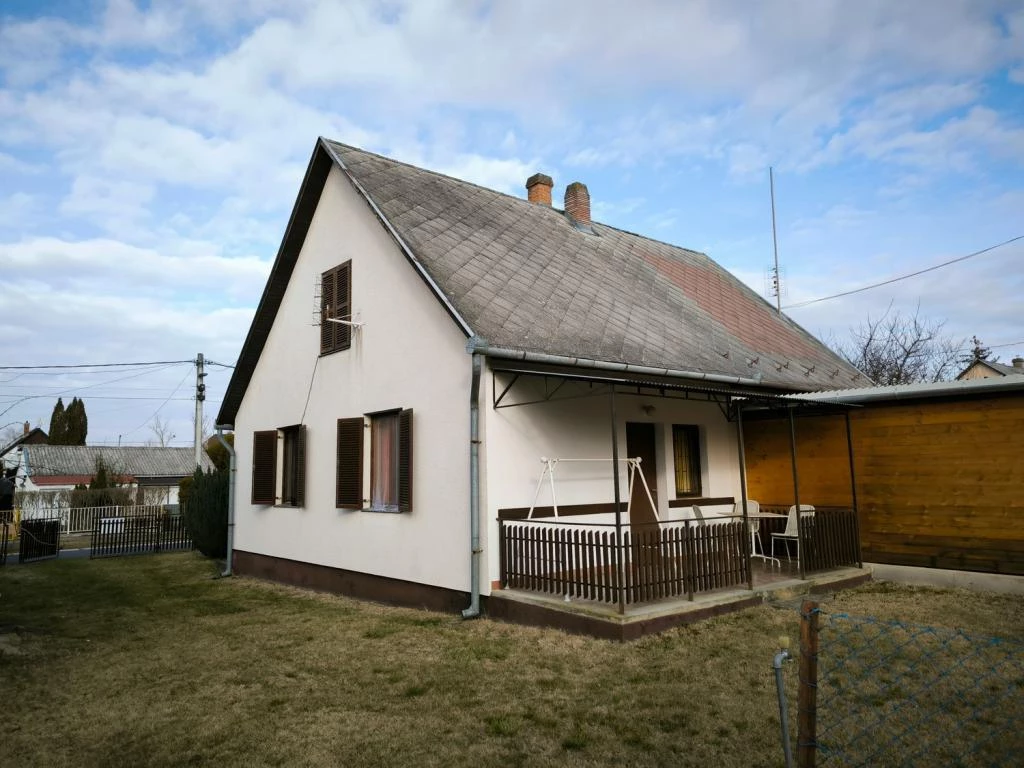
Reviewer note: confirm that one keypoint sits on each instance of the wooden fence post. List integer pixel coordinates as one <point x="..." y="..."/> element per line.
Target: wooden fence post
<point x="807" y="693"/>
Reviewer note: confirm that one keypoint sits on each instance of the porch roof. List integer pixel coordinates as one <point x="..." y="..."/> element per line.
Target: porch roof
<point x="741" y="392"/>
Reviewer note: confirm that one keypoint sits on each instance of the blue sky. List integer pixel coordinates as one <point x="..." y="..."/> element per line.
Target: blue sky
<point x="150" y="154"/>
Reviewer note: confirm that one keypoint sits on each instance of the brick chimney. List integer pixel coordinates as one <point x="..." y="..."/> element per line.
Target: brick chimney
<point x="577" y="202"/>
<point x="538" y="188"/>
<point x="27" y="427"/>
<point x="1018" y="363"/>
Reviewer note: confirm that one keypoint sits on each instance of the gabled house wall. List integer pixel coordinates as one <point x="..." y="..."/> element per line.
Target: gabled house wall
<point x="409" y="354"/>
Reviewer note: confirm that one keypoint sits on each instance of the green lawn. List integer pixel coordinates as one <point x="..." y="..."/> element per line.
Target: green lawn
<point x="153" y="661"/>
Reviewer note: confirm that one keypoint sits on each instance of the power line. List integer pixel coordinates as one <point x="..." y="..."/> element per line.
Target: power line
<point x="91" y="365"/>
<point x="904" y="277"/>
<point x="173" y="393"/>
<point x="149" y="370"/>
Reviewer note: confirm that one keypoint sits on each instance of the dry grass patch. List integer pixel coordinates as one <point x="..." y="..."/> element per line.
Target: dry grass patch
<point x="153" y="661"/>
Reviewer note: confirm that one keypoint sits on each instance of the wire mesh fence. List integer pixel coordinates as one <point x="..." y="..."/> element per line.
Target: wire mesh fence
<point x="875" y="692"/>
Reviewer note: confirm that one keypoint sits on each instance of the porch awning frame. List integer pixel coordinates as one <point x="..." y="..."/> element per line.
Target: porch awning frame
<point x="767" y="403"/>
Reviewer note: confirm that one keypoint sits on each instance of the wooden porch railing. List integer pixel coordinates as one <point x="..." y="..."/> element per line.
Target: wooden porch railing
<point x="829" y="540"/>
<point x="652" y="563"/>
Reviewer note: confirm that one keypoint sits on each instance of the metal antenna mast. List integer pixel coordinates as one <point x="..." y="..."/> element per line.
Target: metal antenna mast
<point x="776" y="278"/>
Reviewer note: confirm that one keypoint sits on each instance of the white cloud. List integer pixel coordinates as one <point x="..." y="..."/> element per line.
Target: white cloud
<point x="110" y="268"/>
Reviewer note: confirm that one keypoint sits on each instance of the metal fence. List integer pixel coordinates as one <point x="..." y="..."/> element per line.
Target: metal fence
<point x="145" y="530"/>
<point x="874" y="692"/>
<point x="39" y="539"/>
<point x="81" y="519"/>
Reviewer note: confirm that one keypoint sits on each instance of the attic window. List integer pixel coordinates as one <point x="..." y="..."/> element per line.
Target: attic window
<point x="336" y="303"/>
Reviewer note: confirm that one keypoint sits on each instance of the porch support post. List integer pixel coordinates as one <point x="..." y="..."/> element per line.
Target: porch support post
<point x="619" y="549"/>
<point x="853" y="488"/>
<point x="796" y="486"/>
<point x="748" y="544"/>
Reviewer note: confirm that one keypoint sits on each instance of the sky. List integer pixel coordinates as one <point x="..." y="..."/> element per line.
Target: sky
<point x="150" y="154"/>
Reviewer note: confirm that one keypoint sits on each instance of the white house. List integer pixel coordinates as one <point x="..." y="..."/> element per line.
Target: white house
<point x="150" y="473"/>
<point x="422" y="344"/>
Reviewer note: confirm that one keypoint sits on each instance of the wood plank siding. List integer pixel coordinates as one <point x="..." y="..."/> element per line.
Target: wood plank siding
<point x="939" y="483"/>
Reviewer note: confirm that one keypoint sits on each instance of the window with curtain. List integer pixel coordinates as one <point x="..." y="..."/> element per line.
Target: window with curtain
<point x="384" y="462"/>
<point x="390" y="462"/>
<point x="686" y="451"/>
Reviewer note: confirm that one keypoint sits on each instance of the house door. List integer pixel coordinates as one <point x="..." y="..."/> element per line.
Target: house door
<point x="640" y="443"/>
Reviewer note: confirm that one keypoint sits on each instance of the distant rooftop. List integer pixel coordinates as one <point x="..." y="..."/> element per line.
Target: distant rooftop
<point x="82" y="460"/>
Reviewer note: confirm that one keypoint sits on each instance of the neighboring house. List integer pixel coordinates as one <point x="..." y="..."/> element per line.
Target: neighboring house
<point x="938" y="467"/>
<point x="10" y="454"/>
<point x="153" y="473"/>
<point x="422" y="342"/>
<point x="985" y="369"/>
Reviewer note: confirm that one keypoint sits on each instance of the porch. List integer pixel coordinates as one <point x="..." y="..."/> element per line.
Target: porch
<point x="590" y="560"/>
<point x="666" y="534"/>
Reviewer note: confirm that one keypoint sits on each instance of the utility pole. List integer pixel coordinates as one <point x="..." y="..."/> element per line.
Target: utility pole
<point x="200" y="397"/>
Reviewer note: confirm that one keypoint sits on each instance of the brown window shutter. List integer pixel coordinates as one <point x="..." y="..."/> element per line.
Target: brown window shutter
<point x="343" y="333"/>
<point x="300" y="460"/>
<point x="264" y="466"/>
<point x="327" y="310"/>
<point x="349" y="482"/>
<point x="405" y="461"/>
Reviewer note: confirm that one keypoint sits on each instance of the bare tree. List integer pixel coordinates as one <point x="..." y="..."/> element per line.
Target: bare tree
<point x="900" y="348"/>
<point x="206" y="426"/>
<point x="162" y="434"/>
<point x="10" y="433"/>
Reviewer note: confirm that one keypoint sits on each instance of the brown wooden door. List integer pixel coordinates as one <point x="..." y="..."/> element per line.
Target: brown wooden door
<point x="640" y="443"/>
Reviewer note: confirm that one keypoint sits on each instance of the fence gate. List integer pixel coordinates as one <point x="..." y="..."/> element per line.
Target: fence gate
<point x="136" y="530"/>
<point x="40" y="539"/>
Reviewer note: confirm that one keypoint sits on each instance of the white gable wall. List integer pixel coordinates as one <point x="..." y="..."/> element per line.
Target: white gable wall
<point x="409" y="354"/>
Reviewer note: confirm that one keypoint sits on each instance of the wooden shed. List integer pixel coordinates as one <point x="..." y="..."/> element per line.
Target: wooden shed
<point x="938" y="470"/>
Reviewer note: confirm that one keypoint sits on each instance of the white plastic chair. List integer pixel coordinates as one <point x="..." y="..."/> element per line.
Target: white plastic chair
<point x="792" y="532"/>
<point x="753" y="525"/>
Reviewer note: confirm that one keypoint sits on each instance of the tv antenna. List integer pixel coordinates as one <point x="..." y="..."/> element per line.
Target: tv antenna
<point x="776" y="277"/>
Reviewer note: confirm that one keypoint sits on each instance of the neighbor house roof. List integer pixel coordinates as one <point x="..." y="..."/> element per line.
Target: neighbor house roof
<point x="999" y="369"/>
<point x="521" y="276"/>
<point x="78" y="461"/>
<point x="35" y="435"/>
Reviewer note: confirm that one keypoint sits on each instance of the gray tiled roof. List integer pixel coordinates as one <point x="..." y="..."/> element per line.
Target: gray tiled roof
<point x="522" y="277"/>
<point x="136" y="461"/>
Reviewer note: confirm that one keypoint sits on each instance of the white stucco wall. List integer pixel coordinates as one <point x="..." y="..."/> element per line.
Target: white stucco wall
<point x="409" y="354"/>
<point x="517" y="438"/>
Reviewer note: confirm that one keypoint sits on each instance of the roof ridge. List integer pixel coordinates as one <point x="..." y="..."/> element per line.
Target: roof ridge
<point x="507" y="195"/>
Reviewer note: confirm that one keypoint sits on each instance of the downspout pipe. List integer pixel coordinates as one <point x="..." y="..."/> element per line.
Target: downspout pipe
<point x="232" y="472"/>
<point x="474" y="484"/>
